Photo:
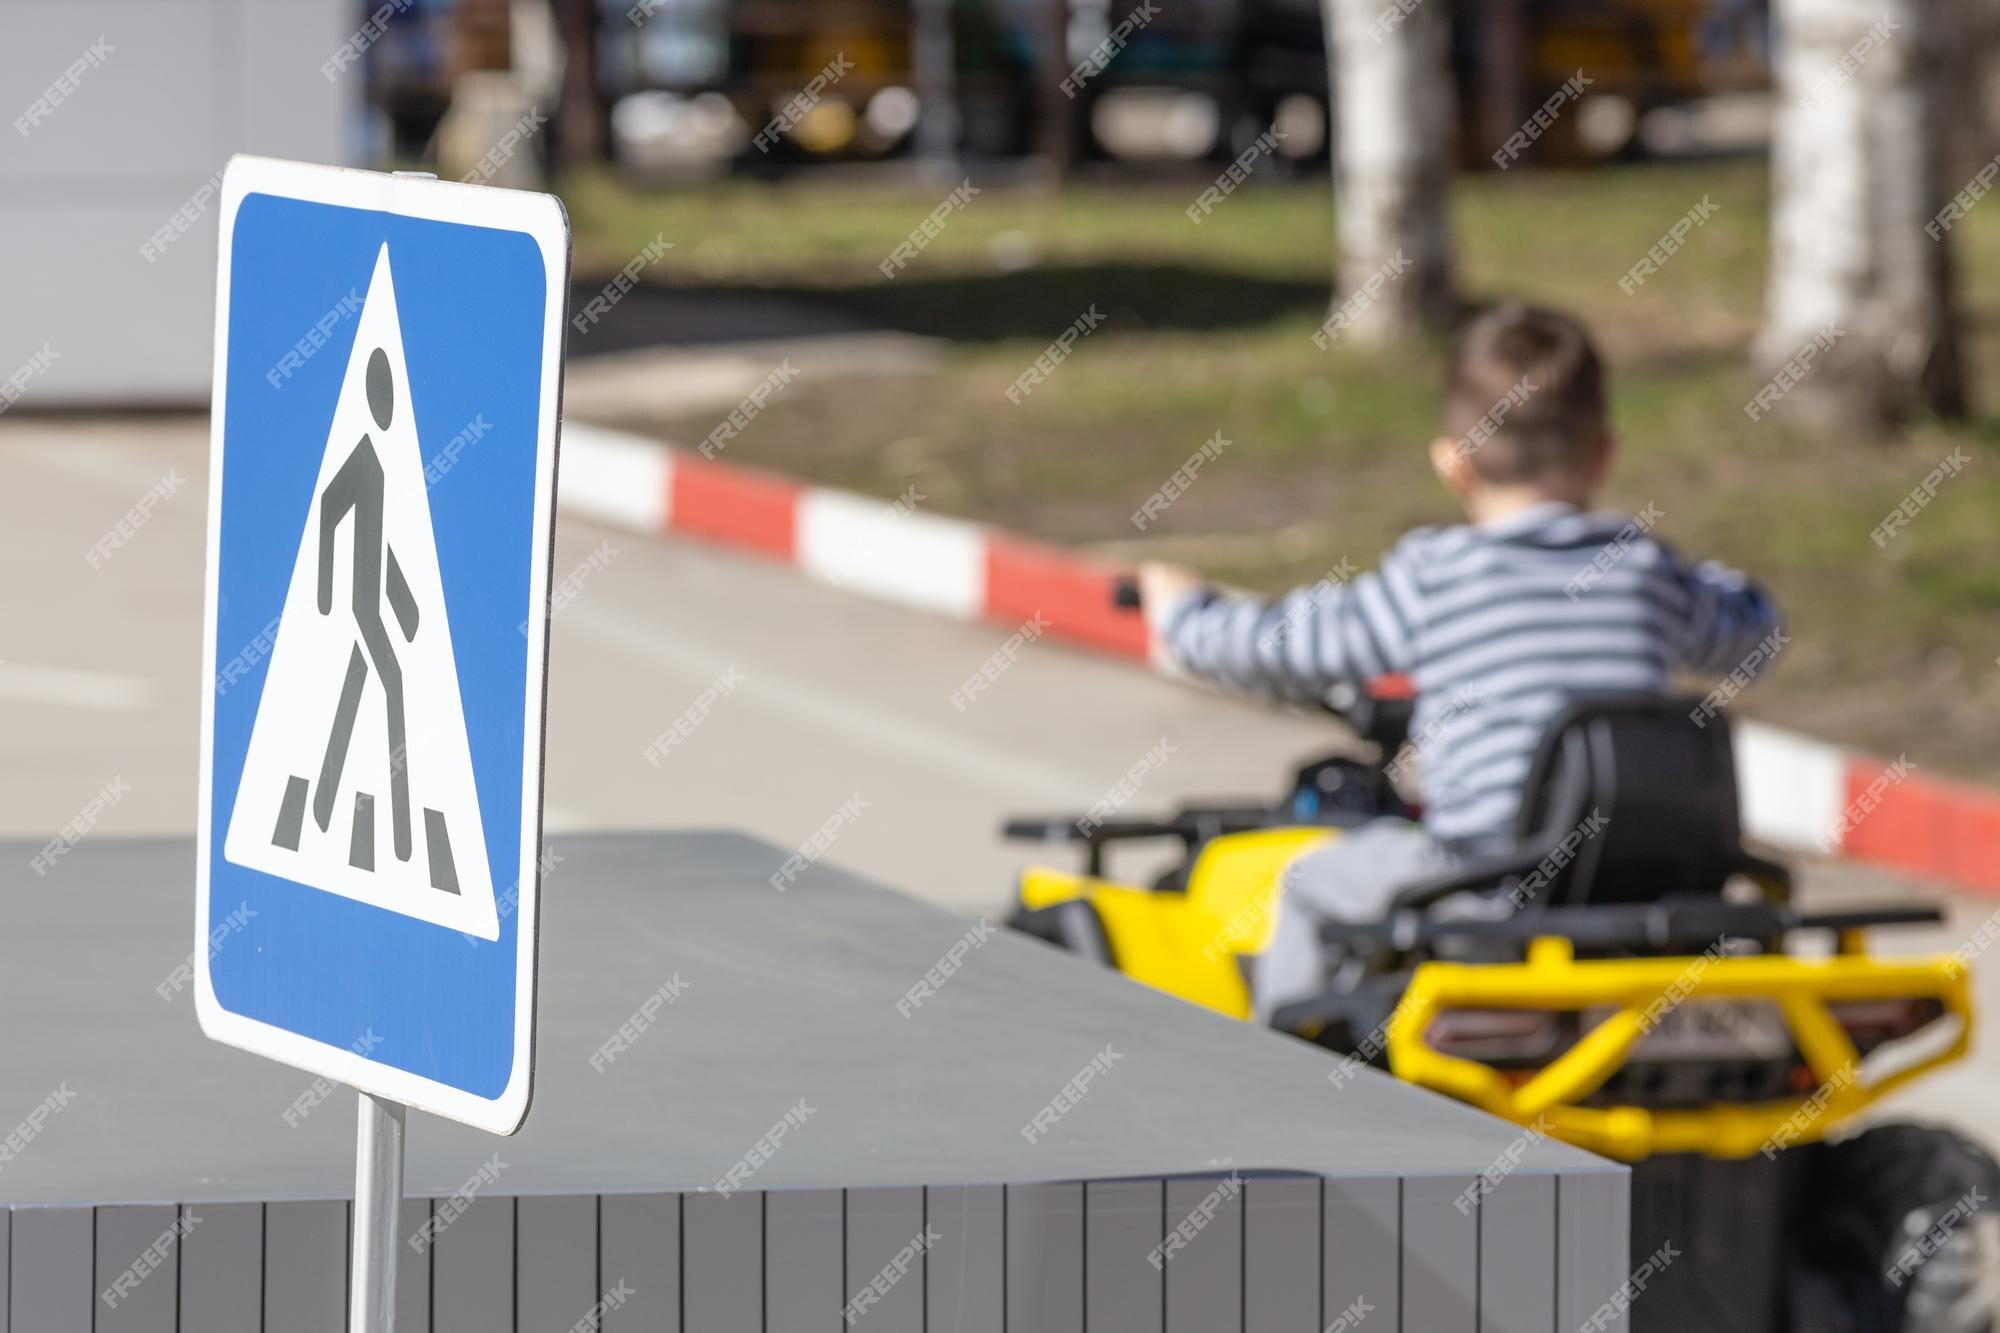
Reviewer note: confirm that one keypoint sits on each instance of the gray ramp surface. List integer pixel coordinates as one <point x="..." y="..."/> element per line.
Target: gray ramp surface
<point x="786" y="1000"/>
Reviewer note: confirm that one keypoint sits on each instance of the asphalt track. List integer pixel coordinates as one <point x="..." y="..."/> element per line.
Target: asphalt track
<point x="770" y="704"/>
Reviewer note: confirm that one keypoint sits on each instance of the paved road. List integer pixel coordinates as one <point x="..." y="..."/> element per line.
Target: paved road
<point x="815" y="701"/>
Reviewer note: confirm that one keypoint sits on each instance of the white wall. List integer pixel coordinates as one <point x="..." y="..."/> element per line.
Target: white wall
<point x="180" y="85"/>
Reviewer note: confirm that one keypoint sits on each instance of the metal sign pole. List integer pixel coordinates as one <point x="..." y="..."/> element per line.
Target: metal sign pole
<point x="378" y="1197"/>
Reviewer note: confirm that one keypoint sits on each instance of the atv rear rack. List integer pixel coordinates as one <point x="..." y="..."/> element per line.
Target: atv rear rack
<point x="1634" y="992"/>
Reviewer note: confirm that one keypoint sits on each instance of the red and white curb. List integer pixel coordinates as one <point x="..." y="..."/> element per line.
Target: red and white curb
<point x="1798" y="793"/>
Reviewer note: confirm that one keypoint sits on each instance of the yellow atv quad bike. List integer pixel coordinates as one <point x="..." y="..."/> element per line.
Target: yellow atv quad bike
<point x="1655" y="998"/>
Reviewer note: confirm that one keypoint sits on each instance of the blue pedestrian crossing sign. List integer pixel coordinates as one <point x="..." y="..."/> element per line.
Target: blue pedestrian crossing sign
<point x="388" y="373"/>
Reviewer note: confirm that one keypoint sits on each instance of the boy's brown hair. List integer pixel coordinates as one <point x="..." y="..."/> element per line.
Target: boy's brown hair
<point x="1524" y="395"/>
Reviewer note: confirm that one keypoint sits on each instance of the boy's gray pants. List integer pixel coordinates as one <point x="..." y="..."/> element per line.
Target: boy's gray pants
<point x="1352" y="879"/>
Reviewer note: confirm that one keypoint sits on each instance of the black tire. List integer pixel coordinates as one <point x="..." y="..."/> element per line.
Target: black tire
<point x="1900" y="1233"/>
<point x="1073" y="925"/>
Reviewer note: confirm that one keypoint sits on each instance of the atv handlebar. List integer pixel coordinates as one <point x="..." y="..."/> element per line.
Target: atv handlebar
<point x="1189" y="826"/>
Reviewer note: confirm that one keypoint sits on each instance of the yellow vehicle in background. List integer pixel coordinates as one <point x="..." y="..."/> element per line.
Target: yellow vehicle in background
<point x="1664" y="76"/>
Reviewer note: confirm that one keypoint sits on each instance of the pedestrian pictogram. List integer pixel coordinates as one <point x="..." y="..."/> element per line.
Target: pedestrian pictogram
<point x="359" y="778"/>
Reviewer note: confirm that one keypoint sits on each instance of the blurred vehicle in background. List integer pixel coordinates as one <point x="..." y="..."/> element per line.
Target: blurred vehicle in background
<point x="689" y="84"/>
<point x="689" y="88"/>
<point x="1665" y="76"/>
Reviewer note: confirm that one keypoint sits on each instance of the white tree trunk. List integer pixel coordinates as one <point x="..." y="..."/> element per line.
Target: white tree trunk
<point x="1393" y="110"/>
<point x="1858" y="172"/>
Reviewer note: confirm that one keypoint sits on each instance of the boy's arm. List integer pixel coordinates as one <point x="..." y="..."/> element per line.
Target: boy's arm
<point x="1299" y="644"/>
<point x="1728" y="616"/>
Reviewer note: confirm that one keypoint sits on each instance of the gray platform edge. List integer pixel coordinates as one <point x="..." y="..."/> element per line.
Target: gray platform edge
<point x="1277" y="1254"/>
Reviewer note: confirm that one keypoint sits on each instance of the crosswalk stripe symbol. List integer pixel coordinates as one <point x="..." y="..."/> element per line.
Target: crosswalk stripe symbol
<point x="358" y="779"/>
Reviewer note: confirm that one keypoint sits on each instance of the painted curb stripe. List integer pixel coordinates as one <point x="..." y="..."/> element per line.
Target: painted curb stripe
<point x="1072" y="595"/>
<point x="733" y="506"/>
<point x="617" y="478"/>
<point x="1791" y="786"/>
<point x="1929" y="827"/>
<point x="880" y="550"/>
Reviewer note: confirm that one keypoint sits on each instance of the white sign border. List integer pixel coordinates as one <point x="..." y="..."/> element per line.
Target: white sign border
<point x="543" y="219"/>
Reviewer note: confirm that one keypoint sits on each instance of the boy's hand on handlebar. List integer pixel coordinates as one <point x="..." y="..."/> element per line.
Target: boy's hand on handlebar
<point x="1162" y="587"/>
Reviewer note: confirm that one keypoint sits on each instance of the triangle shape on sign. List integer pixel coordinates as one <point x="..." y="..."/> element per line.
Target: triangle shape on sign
<point x="358" y="779"/>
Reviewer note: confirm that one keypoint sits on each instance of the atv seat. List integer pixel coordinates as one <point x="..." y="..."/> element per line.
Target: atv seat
<point x="1626" y="838"/>
<point x="1630" y="799"/>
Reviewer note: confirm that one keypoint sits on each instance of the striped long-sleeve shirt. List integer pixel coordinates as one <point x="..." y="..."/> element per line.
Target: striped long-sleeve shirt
<point x="1499" y="625"/>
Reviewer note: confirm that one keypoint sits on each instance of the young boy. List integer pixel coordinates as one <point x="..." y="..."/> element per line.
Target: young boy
<point x="1500" y="622"/>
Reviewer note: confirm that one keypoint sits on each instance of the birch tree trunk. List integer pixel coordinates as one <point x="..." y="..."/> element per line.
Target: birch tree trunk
<point x="1393" y="109"/>
<point x="1860" y="265"/>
